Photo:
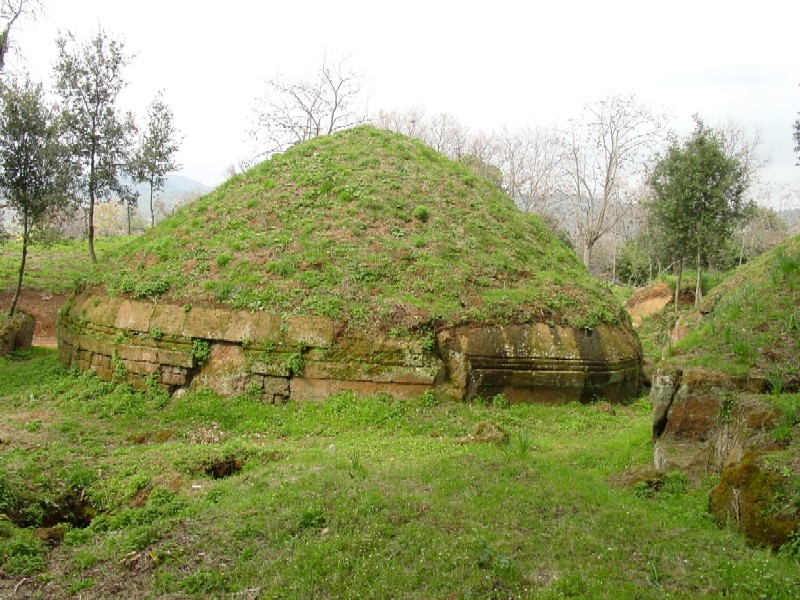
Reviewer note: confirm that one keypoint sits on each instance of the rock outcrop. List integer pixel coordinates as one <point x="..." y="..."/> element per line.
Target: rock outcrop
<point x="703" y="420"/>
<point x="709" y="423"/>
<point x="16" y="333"/>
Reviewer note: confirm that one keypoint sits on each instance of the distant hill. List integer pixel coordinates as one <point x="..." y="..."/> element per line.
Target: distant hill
<point x="175" y="188"/>
<point x="792" y="219"/>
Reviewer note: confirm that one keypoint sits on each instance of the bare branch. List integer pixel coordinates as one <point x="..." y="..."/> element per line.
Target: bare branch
<point x="292" y="111"/>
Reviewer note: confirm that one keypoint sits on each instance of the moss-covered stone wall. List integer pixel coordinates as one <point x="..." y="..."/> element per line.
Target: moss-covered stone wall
<point x="301" y="358"/>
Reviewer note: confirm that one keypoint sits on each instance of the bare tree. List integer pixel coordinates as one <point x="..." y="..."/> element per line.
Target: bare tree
<point x="296" y="110"/>
<point x="410" y="121"/>
<point x="744" y="146"/>
<point x="528" y="159"/>
<point x="10" y="12"/>
<point x="445" y="134"/>
<point x="602" y="153"/>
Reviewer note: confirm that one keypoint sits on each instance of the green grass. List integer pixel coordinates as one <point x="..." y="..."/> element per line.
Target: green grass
<point x="53" y="268"/>
<point x="753" y="321"/>
<point x="350" y="497"/>
<point x="369" y="227"/>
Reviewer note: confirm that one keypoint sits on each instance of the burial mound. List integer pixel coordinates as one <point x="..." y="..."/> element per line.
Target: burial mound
<point x="360" y="261"/>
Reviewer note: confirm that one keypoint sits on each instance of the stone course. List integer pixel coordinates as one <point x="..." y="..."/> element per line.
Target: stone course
<point x="305" y="358"/>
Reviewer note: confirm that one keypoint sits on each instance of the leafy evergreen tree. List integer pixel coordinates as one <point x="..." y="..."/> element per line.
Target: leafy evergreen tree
<point x="155" y="153"/>
<point x="34" y="165"/>
<point x="89" y="80"/>
<point x="698" y="199"/>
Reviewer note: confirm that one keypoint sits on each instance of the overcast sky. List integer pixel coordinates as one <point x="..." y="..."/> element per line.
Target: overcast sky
<point x="489" y="64"/>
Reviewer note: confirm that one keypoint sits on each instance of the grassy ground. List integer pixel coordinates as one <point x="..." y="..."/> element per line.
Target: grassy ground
<point x="199" y="496"/>
<point x="53" y="268"/>
<point x="752" y="324"/>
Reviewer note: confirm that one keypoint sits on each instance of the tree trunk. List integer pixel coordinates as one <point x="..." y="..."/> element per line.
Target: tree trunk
<point x="698" y="291"/>
<point x="92" y="255"/>
<point x="128" y="210"/>
<point x="587" y="255"/>
<point x="614" y="263"/>
<point x="678" y="274"/>
<point x="25" y="236"/>
<point x="152" y="212"/>
<point x="92" y="189"/>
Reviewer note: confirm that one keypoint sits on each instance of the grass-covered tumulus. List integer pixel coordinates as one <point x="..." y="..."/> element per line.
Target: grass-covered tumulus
<point x="365" y="227"/>
<point x="752" y="325"/>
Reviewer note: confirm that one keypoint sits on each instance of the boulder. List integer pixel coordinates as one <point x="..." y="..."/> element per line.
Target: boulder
<point x="16" y="333"/>
<point x="746" y="497"/>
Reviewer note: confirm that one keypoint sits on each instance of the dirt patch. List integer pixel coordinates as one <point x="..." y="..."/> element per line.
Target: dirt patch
<point x="649" y="301"/>
<point x="44" y="307"/>
<point x="223" y="467"/>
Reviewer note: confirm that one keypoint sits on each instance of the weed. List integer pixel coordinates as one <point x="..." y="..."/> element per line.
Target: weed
<point x="428" y="342"/>
<point x="429" y="399"/>
<point x="7" y="496"/>
<point x="776" y="381"/>
<point x="22" y="554"/>
<point x="150" y="289"/>
<point x="727" y="405"/>
<point x="205" y="582"/>
<point x="421" y="213"/>
<point x="156" y="334"/>
<point x="653" y="575"/>
<point x="792" y="547"/>
<point x="523" y="443"/>
<point x="294" y="364"/>
<point x="674" y="483"/>
<point x="311" y="518"/>
<point x="500" y="401"/>
<point x="201" y="351"/>
<point x="357" y="467"/>
<point x="120" y="371"/>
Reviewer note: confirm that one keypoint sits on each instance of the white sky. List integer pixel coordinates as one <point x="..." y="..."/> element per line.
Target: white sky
<point x="489" y="64"/>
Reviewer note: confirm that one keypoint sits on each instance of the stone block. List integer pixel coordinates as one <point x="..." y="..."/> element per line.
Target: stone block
<point x="206" y="323"/>
<point x="137" y="353"/>
<point x="134" y="316"/>
<point x="316" y="332"/>
<point x="102" y="311"/>
<point x="267" y="329"/>
<point x="16" y="333"/>
<point x="173" y="377"/>
<point x="242" y="326"/>
<point x="169" y="319"/>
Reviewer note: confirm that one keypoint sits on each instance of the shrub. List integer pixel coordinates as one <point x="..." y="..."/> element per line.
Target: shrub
<point x="200" y="351"/>
<point x="421" y="213"/>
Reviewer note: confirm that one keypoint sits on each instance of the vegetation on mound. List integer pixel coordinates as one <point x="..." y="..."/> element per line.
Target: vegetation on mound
<point x="368" y="227"/>
<point x="752" y="325"/>
<point x="352" y="497"/>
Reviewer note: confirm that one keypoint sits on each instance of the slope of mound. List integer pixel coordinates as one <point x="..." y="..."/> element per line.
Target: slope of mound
<point x="364" y="227"/>
<point x="752" y="326"/>
<point x="362" y="261"/>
